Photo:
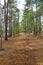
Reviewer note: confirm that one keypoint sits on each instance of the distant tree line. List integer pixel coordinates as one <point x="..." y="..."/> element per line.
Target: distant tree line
<point x="31" y="21"/>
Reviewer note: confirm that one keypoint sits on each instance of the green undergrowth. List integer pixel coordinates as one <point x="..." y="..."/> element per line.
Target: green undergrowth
<point x="1" y="49"/>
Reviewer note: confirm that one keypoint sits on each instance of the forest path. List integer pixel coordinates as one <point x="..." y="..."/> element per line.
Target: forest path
<point x="22" y="50"/>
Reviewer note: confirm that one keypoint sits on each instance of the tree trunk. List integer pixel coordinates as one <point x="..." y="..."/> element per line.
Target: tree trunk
<point x="6" y="17"/>
<point x="39" y="24"/>
<point x="36" y="31"/>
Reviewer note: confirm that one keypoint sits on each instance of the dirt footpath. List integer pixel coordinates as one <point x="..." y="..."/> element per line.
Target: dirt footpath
<point x="22" y="50"/>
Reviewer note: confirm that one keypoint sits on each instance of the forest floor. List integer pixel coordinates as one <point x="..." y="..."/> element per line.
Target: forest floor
<point x="22" y="50"/>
